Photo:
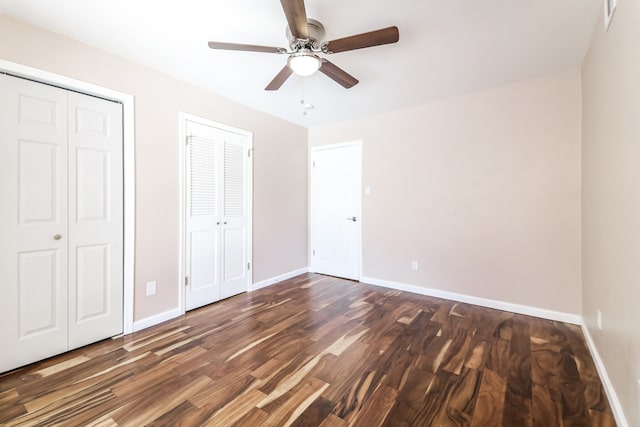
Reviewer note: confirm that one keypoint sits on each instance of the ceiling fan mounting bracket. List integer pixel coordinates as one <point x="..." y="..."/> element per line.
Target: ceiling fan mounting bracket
<point x="316" y="33"/>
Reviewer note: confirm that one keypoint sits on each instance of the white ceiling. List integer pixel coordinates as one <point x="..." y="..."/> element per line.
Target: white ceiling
<point x="446" y="47"/>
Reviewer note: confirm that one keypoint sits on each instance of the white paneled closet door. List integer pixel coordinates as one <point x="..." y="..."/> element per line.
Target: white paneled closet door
<point x="33" y="221"/>
<point x="57" y="274"/>
<point x="216" y="237"/>
<point x="95" y="219"/>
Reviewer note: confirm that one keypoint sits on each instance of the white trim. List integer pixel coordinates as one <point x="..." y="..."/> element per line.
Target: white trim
<point x="128" y="165"/>
<point x="484" y="302"/>
<point x="279" y="278"/>
<point x="183" y="117"/>
<point x="182" y="135"/>
<point x="310" y="215"/>
<point x="156" y="319"/>
<point x="310" y="203"/>
<point x="129" y="170"/>
<point x="250" y="209"/>
<point x="616" y="407"/>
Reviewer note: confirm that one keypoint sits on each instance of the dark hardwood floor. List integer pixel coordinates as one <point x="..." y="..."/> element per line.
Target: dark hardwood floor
<point x="321" y="351"/>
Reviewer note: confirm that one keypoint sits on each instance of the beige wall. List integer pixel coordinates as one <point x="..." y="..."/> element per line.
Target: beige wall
<point x="280" y="173"/>
<point x="483" y="190"/>
<point x="611" y="200"/>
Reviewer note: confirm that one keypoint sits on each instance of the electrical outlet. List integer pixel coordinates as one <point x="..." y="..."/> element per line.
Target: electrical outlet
<point x="151" y="288"/>
<point x="599" y="319"/>
<point x="414" y="265"/>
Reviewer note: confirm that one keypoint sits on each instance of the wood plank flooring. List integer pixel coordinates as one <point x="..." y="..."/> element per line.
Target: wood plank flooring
<point x="321" y="351"/>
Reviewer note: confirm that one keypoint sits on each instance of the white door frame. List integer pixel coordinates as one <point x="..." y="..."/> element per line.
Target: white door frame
<point x="183" y="117"/>
<point x="128" y="123"/>
<point x="313" y="149"/>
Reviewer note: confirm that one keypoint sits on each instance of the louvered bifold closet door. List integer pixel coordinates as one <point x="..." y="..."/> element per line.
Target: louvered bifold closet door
<point x="216" y="235"/>
<point x="234" y="228"/>
<point x="204" y="177"/>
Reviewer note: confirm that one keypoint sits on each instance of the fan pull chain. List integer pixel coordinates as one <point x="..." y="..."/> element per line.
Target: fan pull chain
<point x="304" y="112"/>
<point x="306" y="106"/>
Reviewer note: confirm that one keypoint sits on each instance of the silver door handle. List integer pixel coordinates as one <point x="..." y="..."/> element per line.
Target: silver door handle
<point x="353" y="218"/>
<point x="57" y="236"/>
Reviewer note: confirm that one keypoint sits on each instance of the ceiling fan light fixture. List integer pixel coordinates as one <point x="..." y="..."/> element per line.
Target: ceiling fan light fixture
<point x="304" y="63"/>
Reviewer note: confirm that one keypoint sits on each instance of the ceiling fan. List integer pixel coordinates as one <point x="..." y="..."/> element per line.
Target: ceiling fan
<point x="305" y="37"/>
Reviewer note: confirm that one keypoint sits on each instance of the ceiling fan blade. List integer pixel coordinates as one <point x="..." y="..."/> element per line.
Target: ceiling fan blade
<point x="337" y="74"/>
<point x="359" y="41"/>
<point x="279" y="79"/>
<point x="246" y="47"/>
<point x="296" y="18"/>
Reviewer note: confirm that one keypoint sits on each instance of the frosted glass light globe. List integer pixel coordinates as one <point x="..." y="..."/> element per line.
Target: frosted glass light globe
<point x="304" y="63"/>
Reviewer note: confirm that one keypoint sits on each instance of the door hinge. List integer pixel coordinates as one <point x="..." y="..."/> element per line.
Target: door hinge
<point x="186" y="139"/>
<point x="314" y="163"/>
<point x="248" y="266"/>
<point x="314" y="252"/>
<point x="249" y="153"/>
<point x="186" y="281"/>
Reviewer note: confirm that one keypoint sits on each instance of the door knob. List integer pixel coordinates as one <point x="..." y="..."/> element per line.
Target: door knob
<point x="353" y="218"/>
<point x="57" y="236"/>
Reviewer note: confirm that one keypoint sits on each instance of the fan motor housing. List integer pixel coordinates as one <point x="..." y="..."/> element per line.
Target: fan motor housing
<point x="316" y="33"/>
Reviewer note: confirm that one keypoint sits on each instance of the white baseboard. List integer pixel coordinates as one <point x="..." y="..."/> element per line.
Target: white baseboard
<point x="279" y="278"/>
<point x="484" y="302"/>
<point x="156" y="319"/>
<point x="176" y="312"/>
<point x="616" y="407"/>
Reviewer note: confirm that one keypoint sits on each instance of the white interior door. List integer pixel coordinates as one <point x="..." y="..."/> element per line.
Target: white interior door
<point x="335" y="187"/>
<point x="33" y="221"/>
<point x="234" y="224"/>
<point x="217" y="243"/>
<point x="203" y="215"/>
<point x="95" y="219"/>
<point x="60" y="221"/>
